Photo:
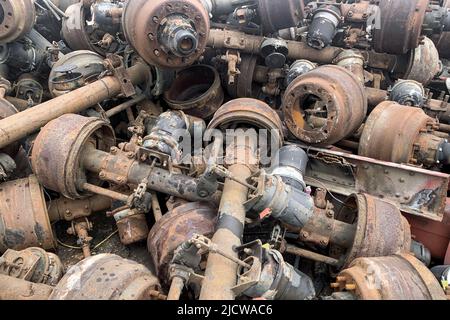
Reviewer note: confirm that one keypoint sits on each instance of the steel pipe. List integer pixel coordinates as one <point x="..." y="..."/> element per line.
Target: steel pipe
<point x="29" y="121"/>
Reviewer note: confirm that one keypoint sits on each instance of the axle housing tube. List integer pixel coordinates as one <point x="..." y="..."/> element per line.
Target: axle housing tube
<point x="27" y="122"/>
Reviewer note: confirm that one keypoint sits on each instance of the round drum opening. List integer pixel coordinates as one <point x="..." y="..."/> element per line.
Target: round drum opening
<point x="191" y="84"/>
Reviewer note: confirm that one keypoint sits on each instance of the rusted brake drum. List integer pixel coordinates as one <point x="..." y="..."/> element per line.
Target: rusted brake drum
<point x="32" y="264"/>
<point x="248" y="112"/>
<point x="24" y="221"/>
<point x="106" y="277"/>
<point x="424" y="63"/>
<point x="391" y="130"/>
<point x="18" y="289"/>
<point x="88" y="63"/>
<point x="197" y="91"/>
<point x="244" y="85"/>
<point x="324" y="105"/>
<point x="73" y="28"/>
<point x="381" y="229"/>
<point x="176" y="227"/>
<point x="57" y="150"/>
<point x="17" y="17"/>
<point x="277" y="15"/>
<point x="398" y="277"/>
<point x="167" y="33"/>
<point x="400" y="25"/>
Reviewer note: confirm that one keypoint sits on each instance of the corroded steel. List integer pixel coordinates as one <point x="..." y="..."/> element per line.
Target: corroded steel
<point x="176" y="227"/>
<point x="324" y="105"/>
<point x="57" y="152"/>
<point x="399" y="277"/>
<point x="24" y="220"/>
<point x="106" y="277"/>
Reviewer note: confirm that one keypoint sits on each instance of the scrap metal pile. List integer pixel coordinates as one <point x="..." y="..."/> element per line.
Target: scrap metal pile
<point x="224" y="149"/>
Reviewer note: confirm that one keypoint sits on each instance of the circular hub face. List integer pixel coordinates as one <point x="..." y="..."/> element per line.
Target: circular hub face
<point x="16" y="19"/>
<point x="325" y="105"/>
<point x="312" y="113"/>
<point x="169" y="34"/>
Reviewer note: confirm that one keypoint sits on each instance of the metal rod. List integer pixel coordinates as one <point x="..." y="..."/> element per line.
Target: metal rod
<point x="159" y="180"/>
<point x="105" y="192"/>
<point x="25" y="123"/>
<point x="124" y="106"/>
<point x="220" y="273"/>
<point x="311" y="255"/>
<point x="176" y="288"/>
<point x="156" y="207"/>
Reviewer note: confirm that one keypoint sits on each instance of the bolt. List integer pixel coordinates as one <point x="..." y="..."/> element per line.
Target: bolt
<point x="305" y="234"/>
<point x="114" y="150"/>
<point x="350" y="287"/>
<point x="102" y="175"/>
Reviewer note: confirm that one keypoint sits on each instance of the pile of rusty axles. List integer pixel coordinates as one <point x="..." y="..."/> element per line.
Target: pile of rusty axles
<point x="224" y="149"/>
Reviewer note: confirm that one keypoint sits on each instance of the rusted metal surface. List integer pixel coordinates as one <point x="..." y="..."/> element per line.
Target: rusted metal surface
<point x="24" y="220"/>
<point x="434" y="235"/>
<point x="243" y="86"/>
<point x="399" y="277"/>
<point x="424" y="63"/>
<point x="220" y="273"/>
<point x="132" y="228"/>
<point x="391" y="132"/>
<point x="324" y="105"/>
<point x="251" y="112"/>
<point x="414" y="190"/>
<point x="131" y="126"/>
<point x="197" y="91"/>
<point x="73" y="28"/>
<point x="381" y="229"/>
<point x="18" y="17"/>
<point x="56" y="157"/>
<point x="28" y="121"/>
<point x="17" y="289"/>
<point x="32" y="264"/>
<point x="240" y="159"/>
<point x="88" y="63"/>
<point x="68" y="209"/>
<point x="401" y="23"/>
<point x="251" y="44"/>
<point x="123" y="170"/>
<point x="106" y="277"/>
<point x="176" y="227"/>
<point x="311" y="255"/>
<point x="143" y="22"/>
